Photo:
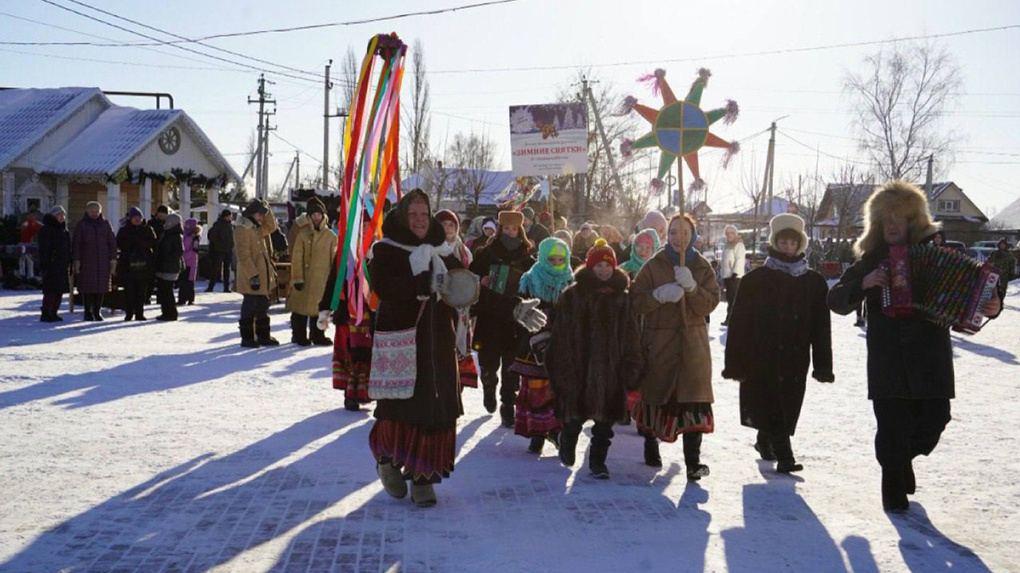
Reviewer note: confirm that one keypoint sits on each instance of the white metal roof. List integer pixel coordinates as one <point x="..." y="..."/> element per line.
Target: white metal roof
<point x="28" y="115"/>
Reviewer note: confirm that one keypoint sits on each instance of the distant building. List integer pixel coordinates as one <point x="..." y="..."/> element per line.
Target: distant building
<point x="69" y="146"/>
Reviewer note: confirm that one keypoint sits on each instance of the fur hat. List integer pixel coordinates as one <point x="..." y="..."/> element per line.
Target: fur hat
<point x="787" y="222"/>
<point x="447" y="215"/>
<point x="315" y="206"/>
<point x="515" y="218"/>
<point x="93" y="205"/>
<point x="600" y="253"/>
<point x="256" y="206"/>
<point x="896" y="199"/>
<point x="58" y="210"/>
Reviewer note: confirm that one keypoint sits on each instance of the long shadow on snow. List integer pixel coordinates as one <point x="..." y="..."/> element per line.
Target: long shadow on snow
<point x="780" y="531"/>
<point x="199" y="515"/>
<point x="926" y="549"/>
<point x="965" y="343"/>
<point x="153" y="373"/>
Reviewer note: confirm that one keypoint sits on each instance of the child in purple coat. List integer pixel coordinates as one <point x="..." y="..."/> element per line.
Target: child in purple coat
<point x="192" y="238"/>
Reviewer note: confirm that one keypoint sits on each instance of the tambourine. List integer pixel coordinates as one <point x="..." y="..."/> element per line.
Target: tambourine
<point x="461" y="289"/>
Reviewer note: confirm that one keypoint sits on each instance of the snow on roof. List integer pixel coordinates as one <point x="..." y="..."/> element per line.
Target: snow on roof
<point x="497" y="182"/>
<point x="1009" y="218"/>
<point x="26" y="115"/>
<point x="108" y="143"/>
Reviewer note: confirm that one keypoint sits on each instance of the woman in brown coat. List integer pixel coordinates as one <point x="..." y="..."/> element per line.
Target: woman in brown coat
<point x="676" y="390"/>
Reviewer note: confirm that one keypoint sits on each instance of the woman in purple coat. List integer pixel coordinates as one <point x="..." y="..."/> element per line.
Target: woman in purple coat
<point x="95" y="255"/>
<point x="192" y="237"/>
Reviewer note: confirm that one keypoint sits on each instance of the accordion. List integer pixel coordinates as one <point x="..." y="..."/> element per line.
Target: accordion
<point x="943" y="286"/>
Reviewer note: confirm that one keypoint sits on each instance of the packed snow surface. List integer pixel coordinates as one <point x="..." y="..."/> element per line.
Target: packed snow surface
<point x="166" y="447"/>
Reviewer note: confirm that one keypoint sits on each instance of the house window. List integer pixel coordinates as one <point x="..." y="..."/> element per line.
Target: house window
<point x="949" y="206"/>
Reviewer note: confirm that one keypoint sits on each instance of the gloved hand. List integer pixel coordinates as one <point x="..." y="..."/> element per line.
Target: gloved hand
<point x="527" y="314"/>
<point x="684" y="278"/>
<point x="669" y="292"/>
<point x="254" y="283"/>
<point x="323" y="322"/>
<point x="77" y="267"/>
<point x="299" y="286"/>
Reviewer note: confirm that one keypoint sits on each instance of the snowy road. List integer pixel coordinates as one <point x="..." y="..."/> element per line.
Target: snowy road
<point x="166" y="447"/>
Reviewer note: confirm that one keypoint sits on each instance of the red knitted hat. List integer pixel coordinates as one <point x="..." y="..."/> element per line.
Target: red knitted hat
<point x="601" y="252"/>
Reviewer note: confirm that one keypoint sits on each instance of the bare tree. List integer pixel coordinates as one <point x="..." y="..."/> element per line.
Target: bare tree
<point x="350" y="70"/>
<point x="845" y="198"/>
<point x="752" y="188"/>
<point x="474" y="158"/>
<point x="417" y="120"/>
<point x="900" y="99"/>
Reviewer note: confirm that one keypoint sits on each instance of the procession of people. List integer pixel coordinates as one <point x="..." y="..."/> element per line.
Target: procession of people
<point x="561" y="328"/>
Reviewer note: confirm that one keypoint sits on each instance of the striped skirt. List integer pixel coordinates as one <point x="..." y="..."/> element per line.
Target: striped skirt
<point x="667" y="422"/>
<point x="535" y="408"/>
<point x="424" y="454"/>
<point x="352" y="361"/>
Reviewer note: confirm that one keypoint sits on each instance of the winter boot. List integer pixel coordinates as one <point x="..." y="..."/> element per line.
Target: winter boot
<point x="652" y="456"/>
<point x="489" y="392"/>
<point x="597" y="458"/>
<point x="97" y="307"/>
<point x="318" y="337"/>
<point x="506" y="415"/>
<point x="299" y="329"/>
<point x="423" y="495"/>
<point x="692" y="457"/>
<point x="764" y="447"/>
<point x="784" y="453"/>
<point x="894" y="494"/>
<point x="351" y="405"/>
<point x="537" y="442"/>
<point x="247" y="328"/>
<point x="263" y="333"/>
<point x="568" y="447"/>
<point x="392" y="480"/>
<point x="909" y="482"/>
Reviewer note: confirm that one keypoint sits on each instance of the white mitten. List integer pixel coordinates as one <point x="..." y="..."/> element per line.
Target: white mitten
<point x="669" y="292"/>
<point x="684" y="278"/>
<point x="420" y="258"/>
<point x="323" y="322"/>
<point x="527" y="314"/>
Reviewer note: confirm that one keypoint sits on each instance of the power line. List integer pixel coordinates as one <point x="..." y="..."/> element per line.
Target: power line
<point x="298" y="149"/>
<point x="738" y="54"/>
<point x="275" y="30"/>
<point x="184" y="48"/>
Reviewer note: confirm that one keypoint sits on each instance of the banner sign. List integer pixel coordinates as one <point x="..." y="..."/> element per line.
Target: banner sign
<point x="549" y="139"/>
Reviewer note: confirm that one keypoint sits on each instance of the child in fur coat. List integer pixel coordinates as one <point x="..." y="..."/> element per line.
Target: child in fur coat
<point x="593" y="355"/>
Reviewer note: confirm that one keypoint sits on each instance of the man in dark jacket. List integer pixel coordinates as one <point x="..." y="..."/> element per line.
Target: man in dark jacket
<point x="136" y="242"/>
<point x="54" y="262"/>
<point x="537" y="232"/>
<point x="910" y="360"/>
<point x="169" y="264"/>
<point x="221" y="249"/>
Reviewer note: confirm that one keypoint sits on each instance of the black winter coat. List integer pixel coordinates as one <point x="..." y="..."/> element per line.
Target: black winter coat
<point x="491" y="332"/>
<point x="221" y="237"/>
<point x="908" y="358"/>
<point x="136" y="245"/>
<point x="170" y="253"/>
<point x="780" y="324"/>
<point x="594" y="355"/>
<point x="436" y="401"/>
<point x="54" y="254"/>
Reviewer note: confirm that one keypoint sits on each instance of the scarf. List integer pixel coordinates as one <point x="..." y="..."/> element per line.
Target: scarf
<point x="634" y="263"/>
<point x="511" y="243"/>
<point x="689" y="255"/>
<point x="543" y="280"/>
<point x="793" y="266"/>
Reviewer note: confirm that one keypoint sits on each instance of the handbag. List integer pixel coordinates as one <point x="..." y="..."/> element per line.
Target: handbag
<point x="394" y="363"/>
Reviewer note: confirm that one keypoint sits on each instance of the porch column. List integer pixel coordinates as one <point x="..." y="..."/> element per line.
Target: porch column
<point x="147" y="198"/>
<point x="7" y="194"/>
<point x="112" y="209"/>
<point x="185" y="201"/>
<point x="212" y="204"/>
<point x="63" y="195"/>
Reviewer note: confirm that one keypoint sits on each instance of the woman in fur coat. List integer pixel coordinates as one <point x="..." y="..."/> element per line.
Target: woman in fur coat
<point x="780" y="322"/>
<point x="500" y="263"/>
<point x="593" y="355"/>
<point x="676" y="388"/>
<point x="536" y="415"/>
<point x="910" y="359"/>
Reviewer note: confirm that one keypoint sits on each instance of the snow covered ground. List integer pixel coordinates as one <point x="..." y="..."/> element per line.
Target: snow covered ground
<point x="166" y="447"/>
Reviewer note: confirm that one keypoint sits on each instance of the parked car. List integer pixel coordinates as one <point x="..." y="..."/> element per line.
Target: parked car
<point x="956" y="246"/>
<point x="979" y="253"/>
<point x="986" y="244"/>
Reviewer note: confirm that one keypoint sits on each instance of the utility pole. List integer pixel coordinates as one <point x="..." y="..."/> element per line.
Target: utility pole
<point x="602" y="134"/>
<point x="325" y="128"/>
<point x="769" y="167"/>
<point x="262" y="154"/>
<point x="297" y="169"/>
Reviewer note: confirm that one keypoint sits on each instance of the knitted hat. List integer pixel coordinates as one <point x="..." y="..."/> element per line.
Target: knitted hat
<point x="58" y="210"/>
<point x="447" y="215"/>
<point x="787" y="222"/>
<point x="514" y="218"/>
<point x="256" y="206"/>
<point x="601" y="252"/>
<point x="528" y="213"/>
<point x="134" y="212"/>
<point x="163" y="209"/>
<point x="172" y="220"/>
<point x="315" y="206"/>
<point x="93" y="205"/>
<point x="489" y="223"/>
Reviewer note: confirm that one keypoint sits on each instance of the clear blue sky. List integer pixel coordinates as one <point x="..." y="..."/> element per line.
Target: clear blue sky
<point x="537" y="33"/>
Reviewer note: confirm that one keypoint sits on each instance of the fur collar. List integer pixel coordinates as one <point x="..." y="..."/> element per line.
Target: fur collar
<point x="587" y="281"/>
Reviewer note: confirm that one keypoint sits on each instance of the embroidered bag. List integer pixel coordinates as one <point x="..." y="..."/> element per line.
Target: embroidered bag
<point x="394" y="363"/>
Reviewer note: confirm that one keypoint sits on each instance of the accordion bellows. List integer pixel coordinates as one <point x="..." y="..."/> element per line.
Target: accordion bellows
<point x="943" y="286"/>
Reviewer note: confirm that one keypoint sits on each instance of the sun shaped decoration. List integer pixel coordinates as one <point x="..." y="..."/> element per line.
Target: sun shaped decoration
<point x="680" y="128"/>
